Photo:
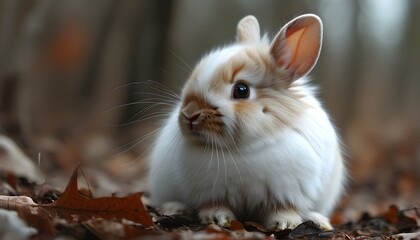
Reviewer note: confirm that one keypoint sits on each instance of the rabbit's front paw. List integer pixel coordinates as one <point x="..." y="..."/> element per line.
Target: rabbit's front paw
<point x="173" y="208"/>
<point x="218" y="215"/>
<point x="283" y="219"/>
<point x="321" y="220"/>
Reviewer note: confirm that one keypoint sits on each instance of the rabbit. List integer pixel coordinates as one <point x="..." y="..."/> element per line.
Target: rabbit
<point x="248" y="139"/>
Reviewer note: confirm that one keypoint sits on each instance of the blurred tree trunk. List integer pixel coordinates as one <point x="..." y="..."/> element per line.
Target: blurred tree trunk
<point x="148" y="45"/>
<point x="408" y="70"/>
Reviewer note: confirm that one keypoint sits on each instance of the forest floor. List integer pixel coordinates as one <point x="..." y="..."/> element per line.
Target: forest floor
<point x="30" y="210"/>
<point x="74" y="214"/>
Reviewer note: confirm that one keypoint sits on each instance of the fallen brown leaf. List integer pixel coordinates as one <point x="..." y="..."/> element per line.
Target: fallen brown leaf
<point x="236" y="226"/>
<point x="106" y="229"/>
<point x="72" y="205"/>
<point x="75" y="207"/>
<point x="33" y="214"/>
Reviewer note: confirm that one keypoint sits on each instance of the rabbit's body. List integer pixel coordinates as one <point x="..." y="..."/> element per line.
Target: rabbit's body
<point x="271" y="155"/>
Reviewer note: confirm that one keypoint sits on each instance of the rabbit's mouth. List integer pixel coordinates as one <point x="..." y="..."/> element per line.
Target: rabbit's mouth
<point x="204" y="127"/>
<point x="200" y="120"/>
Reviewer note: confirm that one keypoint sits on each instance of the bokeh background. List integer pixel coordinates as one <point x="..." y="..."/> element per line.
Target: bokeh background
<point x="74" y="82"/>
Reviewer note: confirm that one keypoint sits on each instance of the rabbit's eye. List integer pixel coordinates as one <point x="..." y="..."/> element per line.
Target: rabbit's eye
<point x="240" y="91"/>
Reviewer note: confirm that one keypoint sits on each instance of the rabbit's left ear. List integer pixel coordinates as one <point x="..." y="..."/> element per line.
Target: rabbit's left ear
<point x="248" y="30"/>
<point x="296" y="47"/>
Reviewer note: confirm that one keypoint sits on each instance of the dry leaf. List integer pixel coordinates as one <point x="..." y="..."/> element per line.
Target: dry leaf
<point x="74" y="206"/>
<point x="34" y="215"/>
<point x="392" y="214"/>
<point x="106" y="229"/>
<point x="236" y="226"/>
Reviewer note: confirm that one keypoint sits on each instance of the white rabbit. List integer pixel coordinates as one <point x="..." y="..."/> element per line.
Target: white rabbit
<point x="249" y="140"/>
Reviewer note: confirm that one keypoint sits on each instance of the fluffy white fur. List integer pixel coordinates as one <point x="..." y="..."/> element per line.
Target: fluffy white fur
<point x="280" y="178"/>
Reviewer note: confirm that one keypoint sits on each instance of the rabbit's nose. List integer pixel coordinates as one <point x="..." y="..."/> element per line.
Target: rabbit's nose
<point x="191" y="114"/>
<point x="191" y="111"/>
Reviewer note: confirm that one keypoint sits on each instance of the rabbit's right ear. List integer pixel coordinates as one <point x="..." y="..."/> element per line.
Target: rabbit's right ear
<point x="248" y="30"/>
<point x="296" y="47"/>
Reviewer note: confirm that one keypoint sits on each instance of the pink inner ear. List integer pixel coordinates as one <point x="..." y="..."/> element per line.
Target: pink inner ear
<point x="297" y="46"/>
<point x="304" y="44"/>
<point x="293" y="41"/>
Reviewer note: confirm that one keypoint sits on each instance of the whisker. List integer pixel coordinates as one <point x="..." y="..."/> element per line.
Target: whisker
<point x="181" y="60"/>
<point x="156" y="101"/>
<point x="206" y="175"/>
<point x="161" y="115"/>
<point x="163" y="88"/>
<point x="147" y="150"/>
<point x="144" y="118"/>
<point x="224" y="160"/>
<point x="234" y="161"/>
<point x="159" y="95"/>
<point x="151" y="115"/>
<point x="233" y="140"/>
<point x="211" y="154"/>
<point x="151" y="106"/>
<point x="207" y="144"/>
<point x="170" y="76"/>
<point x="155" y="86"/>
<point x="187" y="71"/>
<point x="218" y="169"/>
<point x="132" y="144"/>
<point x="125" y="85"/>
<point x="122" y="105"/>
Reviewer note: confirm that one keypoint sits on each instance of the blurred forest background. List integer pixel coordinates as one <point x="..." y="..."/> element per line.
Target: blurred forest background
<point x="73" y="73"/>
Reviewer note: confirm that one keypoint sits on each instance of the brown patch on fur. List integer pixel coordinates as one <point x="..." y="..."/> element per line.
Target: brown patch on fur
<point x="251" y="58"/>
<point x="227" y="73"/>
<point x="211" y="121"/>
<point x="194" y="98"/>
<point x="235" y="71"/>
<point x="265" y="109"/>
<point x="241" y="106"/>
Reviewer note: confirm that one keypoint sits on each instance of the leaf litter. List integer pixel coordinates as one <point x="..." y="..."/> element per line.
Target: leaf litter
<point x="80" y="216"/>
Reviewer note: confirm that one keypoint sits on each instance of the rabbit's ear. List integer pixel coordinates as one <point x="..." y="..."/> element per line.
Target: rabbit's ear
<point x="297" y="46"/>
<point x="248" y="30"/>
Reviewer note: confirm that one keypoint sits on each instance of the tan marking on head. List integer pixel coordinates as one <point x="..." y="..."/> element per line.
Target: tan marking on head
<point x="227" y="72"/>
<point x="202" y="104"/>
<point x="235" y="71"/>
<point x="251" y="58"/>
<point x="242" y="106"/>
